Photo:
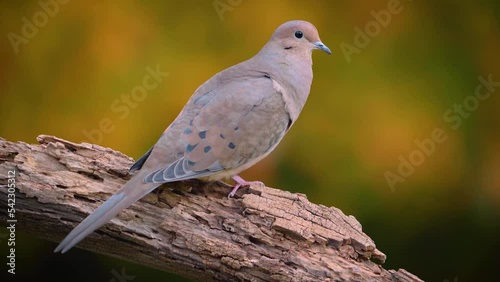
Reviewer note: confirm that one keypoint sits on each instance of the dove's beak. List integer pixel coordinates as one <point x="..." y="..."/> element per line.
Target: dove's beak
<point x="319" y="45"/>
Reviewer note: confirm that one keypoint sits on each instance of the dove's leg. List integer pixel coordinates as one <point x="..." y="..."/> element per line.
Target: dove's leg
<point x="241" y="182"/>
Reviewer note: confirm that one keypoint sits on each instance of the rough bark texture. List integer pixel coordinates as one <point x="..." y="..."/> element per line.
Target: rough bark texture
<point x="189" y="228"/>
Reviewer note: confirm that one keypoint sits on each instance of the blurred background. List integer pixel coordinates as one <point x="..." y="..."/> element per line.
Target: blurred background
<point x="398" y="72"/>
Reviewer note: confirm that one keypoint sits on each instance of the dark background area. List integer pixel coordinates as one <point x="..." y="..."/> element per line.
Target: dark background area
<point x="367" y="111"/>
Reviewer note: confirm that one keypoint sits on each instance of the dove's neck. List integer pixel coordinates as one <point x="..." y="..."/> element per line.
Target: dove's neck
<point x="292" y="71"/>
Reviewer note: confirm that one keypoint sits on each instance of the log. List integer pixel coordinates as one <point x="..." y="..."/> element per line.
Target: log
<point x="189" y="228"/>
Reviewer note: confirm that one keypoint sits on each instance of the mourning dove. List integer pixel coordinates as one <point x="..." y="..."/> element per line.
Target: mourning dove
<point x="231" y="122"/>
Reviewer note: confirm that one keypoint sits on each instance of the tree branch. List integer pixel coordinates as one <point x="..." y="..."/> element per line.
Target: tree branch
<point x="189" y="228"/>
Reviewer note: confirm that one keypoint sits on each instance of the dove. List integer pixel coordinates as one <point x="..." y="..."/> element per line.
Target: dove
<point x="231" y="122"/>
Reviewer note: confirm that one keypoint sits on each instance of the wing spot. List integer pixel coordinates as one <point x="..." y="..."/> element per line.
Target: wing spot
<point x="191" y="163"/>
<point x="222" y="136"/>
<point x="202" y="134"/>
<point x="231" y="145"/>
<point x="188" y="131"/>
<point x="236" y="128"/>
<point x="207" y="149"/>
<point x="190" y="148"/>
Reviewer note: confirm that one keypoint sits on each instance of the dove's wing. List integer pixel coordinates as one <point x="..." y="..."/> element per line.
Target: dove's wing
<point x="225" y="128"/>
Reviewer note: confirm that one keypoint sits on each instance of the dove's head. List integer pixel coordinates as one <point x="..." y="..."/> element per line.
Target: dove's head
<point x="298" y="36"/>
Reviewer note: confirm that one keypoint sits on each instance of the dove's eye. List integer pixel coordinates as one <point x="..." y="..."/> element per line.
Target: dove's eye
<point x="299" y="34"/>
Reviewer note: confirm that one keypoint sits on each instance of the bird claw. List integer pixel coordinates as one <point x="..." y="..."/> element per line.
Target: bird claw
<point x="240" y="182"/>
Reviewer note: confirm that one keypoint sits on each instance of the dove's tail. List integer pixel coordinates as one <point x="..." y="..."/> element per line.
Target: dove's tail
<point x="131" y="192"/>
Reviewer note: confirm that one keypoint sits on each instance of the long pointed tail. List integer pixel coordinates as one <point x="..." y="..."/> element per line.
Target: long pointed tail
<point x="131" y="192"/>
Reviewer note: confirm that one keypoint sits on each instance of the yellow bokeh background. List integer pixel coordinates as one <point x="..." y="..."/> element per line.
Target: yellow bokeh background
<point x="365" y="111"/>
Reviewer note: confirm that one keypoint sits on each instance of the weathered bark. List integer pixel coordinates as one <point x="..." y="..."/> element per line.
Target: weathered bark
<point x="189" y="228"/>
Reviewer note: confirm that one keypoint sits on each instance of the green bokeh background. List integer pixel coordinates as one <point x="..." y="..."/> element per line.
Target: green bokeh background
<point x="442" y="222"/>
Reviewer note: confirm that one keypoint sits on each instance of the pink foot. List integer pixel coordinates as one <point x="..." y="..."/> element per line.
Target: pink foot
<point x="241" y="182"/>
